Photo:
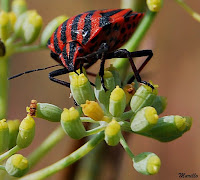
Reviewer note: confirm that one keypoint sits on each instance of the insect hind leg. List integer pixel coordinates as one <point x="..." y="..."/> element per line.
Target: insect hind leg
<point x="123" y="53"/>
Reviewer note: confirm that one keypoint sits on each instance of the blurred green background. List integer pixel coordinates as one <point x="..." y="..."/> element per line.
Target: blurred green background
<point x="174" y="38"/>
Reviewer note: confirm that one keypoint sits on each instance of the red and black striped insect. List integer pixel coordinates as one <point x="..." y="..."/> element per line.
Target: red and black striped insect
<point x="83" y="39"/>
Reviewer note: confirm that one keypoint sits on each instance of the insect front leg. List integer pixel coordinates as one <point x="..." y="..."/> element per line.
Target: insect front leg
<point x="103" y="49"/>
<point x="57" y="73"/>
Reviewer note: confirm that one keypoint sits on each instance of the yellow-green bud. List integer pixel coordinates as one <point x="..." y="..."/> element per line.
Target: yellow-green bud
<point x="112" y="133"/>
<point x="31" y="27"/>
<point x="50" y="28"/>
<point x="48" y="111"/>
<point x="102" y="95"/>
<point x="26" y="132"/>
<point x="115" y="74"/>
<point x="93" y="110"/>
<point x="12" y="18"/>
<point x="4" y="135"/>
<point x="17" y="165"/>
<point x="117" y="102"/>
<point x="19" y="7"/>
<point x="71" y="123"/>
<point x="169" y="128"/>
<point x="154" y="5"/>
<point x="144" y="119"/>
<point x="144" y="96"/>
<point x="5" y="25"/>
<point x="81" y="88"/>
<point x="147" y="163"/>
<point x="28" y="26"/>
<point x="13" y="132"/>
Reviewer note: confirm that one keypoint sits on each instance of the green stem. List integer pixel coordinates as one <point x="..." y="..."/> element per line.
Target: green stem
<point x="125" y="126"/>
<point x="3" y="86"/>
<point x="194" y="14"/>
<point x="126" y="147"/>
<point x="122" y="64"/>
<point x="46" y="146"/>
<point x="9" y="153"/>
<point x="87" y="119"/>
<point x="28" y="48"/>
<point x="135" y="5"/>
<point x="73" y="157"/>
<point x="2" y="167"/>
<point x="95" y="130"/>
<point x="127" y="115"/>
<point x="5" y="5"/>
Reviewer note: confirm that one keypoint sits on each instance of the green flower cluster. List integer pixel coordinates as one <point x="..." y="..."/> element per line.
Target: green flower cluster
<point x="20" y="27"/>
<point x="15" y="135"/>
<point x="120" y="108"/>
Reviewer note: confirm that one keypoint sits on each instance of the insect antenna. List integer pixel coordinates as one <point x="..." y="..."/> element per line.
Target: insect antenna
<point x="34" y="70"/>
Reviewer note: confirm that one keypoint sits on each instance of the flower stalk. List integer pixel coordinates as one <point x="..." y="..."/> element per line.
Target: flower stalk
<point x="68" y="160"/>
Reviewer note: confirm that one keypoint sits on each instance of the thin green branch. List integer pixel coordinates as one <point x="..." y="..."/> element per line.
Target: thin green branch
<point x="126" y="147"/>
<point x="194" y="14"/>
<point x="95" y="130"/>
<point x="68" y="160"/>
<point x="135" y="5"/>
<point x="87" y="119"/>
<point x="28" y="48"/>
<point x="3" y="86"/>
<point x="9" y="153"/>
<point x="46" y="146"/>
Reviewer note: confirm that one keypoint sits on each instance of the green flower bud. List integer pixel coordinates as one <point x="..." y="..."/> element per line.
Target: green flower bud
<point x="17" y="165"/>
<point x="26" y="132"/>
<point x="115" y="74"/>
<point x="50" y="28"/>
<point x="12" y="18"/>
<point x="147" y="163"/>
<point x="19" y="7"/>
<point x="102" y="95"/>
<point x="117" y="102"/>
<point x="13" y="126"/>
<point x="5" y="25"/>
<point x="71" y="123"/>
<point x="112" y="133"/>
<point x="144" y="119"/>
<point x="28" y="26"/>
<point x="4" y="135"/>
<point x="19" y="23"/>
<point x="159" y="104"/>
<point x="154" y="5"/>
<point x="49" y="112"/>
<point x="169" y="128"/>
<point x="144" y="96"/>
<point x="81" y="88"/>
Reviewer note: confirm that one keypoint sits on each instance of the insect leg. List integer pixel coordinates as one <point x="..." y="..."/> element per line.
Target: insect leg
<point x="123" y="53"/>
<point x="57" y="73"/>
<point x="141" y="53"/>
<point x="101" y="72"/>
<point x="102" y="50"/>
